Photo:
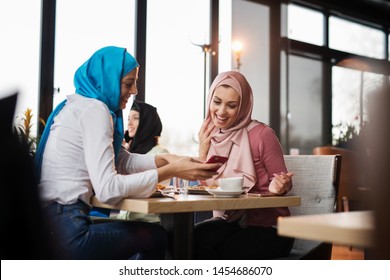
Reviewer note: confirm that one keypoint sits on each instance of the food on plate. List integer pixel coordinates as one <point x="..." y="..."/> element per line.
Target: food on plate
<point x="160" y="187"/>
<point x="201" y="188"/>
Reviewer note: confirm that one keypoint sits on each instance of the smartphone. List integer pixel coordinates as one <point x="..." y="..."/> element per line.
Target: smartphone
<point x="215" y="159"/>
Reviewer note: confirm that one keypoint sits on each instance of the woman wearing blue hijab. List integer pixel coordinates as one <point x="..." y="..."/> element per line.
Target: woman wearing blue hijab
<point x="80" y="155"/>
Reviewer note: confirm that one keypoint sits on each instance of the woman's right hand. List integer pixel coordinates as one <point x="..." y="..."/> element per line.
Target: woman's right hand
<point x="281" y="183"/>
<point x="188" y="168"/>
<point x="204" y="136"/>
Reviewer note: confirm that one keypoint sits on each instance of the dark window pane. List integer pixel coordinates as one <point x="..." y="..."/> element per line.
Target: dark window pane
<point x="305" y="104"/>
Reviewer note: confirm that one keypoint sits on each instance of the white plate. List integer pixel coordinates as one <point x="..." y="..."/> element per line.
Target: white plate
<point x="221" y="193"/>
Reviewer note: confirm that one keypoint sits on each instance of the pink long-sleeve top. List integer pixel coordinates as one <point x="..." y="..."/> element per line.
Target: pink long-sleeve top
<point x="268" y="159"/>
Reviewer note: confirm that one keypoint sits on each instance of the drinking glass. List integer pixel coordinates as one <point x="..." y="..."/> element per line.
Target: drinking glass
<point x="181" y="185"/>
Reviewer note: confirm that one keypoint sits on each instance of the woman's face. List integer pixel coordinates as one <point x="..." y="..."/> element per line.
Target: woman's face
<point x="128" y="87"/>
<point x="133" y="123"/>
<point x="224" y="106"/>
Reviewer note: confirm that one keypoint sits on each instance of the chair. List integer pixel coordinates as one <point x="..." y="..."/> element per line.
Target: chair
<point x="315" y="180"/>
<point x="349" y="197"/>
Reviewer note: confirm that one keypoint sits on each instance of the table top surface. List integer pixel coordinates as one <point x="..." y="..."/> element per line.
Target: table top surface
<point x="355" y="228"/>
<point x="191" y="203"/>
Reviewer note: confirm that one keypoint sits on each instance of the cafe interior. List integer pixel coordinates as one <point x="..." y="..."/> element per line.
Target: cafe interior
<point x="315" y="67"/>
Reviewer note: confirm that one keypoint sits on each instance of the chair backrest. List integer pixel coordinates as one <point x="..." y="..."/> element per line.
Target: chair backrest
<point x="348" y="196"/>
<point x="316" y="181"/>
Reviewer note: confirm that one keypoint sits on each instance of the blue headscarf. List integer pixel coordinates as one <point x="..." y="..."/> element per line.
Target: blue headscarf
<point x="99" y="78"/>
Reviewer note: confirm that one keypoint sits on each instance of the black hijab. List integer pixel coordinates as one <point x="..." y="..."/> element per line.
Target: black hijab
<point x="148" y="131"/>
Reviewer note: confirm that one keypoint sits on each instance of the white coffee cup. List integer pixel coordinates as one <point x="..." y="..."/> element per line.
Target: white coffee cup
<point x="231" y="184"/>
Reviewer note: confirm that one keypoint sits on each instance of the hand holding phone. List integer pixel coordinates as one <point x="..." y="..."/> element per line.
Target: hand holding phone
<point x="217" y="159"/>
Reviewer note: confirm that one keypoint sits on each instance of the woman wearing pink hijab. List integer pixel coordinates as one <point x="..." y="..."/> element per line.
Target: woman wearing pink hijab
<point x="255" y="154"/>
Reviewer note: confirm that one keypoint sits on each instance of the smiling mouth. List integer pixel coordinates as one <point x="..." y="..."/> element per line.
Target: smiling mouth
<point x="220" y="119"/>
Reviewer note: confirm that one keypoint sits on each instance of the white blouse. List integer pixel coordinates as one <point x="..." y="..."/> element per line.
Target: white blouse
<point x="79" y="162"/>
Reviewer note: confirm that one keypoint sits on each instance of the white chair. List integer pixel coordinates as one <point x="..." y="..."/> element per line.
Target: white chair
<point x="316" y="179"/>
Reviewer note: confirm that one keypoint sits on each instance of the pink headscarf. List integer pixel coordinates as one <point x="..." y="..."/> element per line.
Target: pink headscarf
<point x="233" y="142"/>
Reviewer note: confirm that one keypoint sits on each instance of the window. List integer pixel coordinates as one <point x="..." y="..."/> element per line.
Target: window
<point x="347" y="96"/>
<point x="346" y="89"/>
<point x="304" y="104"/>
<point x="19" y="56"/>
<point x="356" y="38"/>
<point x="388" y="51"/>
<point x="310" y="30"/>
<point x="82" y="27"/>
<point x="175" y="69"/>
<point x="251" y="27"/>
<point x="351" y="89"/>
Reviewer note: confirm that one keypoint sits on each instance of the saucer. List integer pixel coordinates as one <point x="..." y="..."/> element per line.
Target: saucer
<point x="220" y="193"/>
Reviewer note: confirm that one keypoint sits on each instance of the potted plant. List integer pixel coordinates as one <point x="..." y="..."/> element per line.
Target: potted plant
<point x="22" y="129"/>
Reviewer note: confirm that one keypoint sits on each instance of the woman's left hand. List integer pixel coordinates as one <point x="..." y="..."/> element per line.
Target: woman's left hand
<point x="204" y="136"/>
<point x="281" y="183"/>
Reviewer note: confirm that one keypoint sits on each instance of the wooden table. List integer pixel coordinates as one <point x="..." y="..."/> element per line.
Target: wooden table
<point x="354" y="228"/>
<point x="177" y="215"/>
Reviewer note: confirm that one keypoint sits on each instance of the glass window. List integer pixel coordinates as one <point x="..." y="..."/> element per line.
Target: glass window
<point x="356" y="38"/>
<point x="346" y="90"/>
<point x="350" y="95"/>
<point x="225" y="35"/>
<point x="82" y="27"/>
<point x="250" y="27"/>
<point x="304" y="104"/>
<point x="175" y="68"/>
<point x="20" y="23"/>
<point x="310" y="30"/>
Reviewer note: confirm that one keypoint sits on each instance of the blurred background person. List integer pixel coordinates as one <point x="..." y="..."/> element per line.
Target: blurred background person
<point x="143" y="130"/>
<point x="378" y="149"/>
<point x="142" y="135"/>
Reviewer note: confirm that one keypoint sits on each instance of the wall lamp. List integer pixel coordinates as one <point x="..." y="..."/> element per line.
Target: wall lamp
<point x="237" y="49"/>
